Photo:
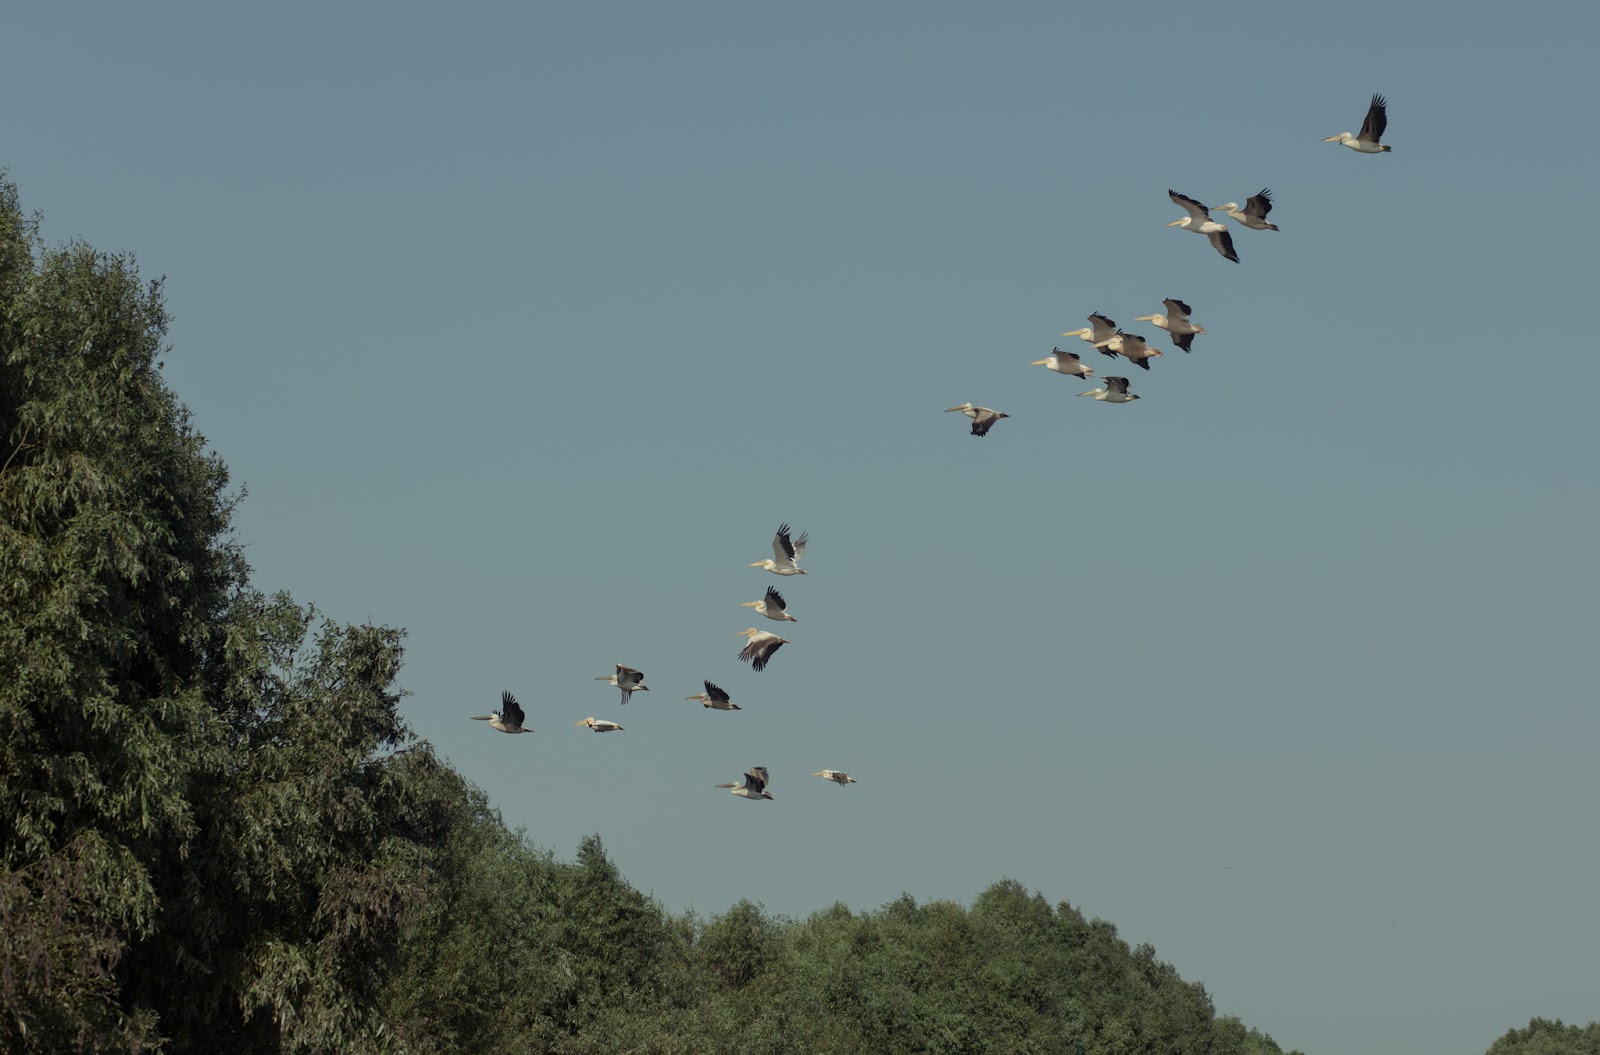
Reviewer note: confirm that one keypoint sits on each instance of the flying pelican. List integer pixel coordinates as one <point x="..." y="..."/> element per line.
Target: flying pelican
<point x="760" y="647"/>
<point x="772" y="607"/>
<point x="837" y="777"/>
<point x="1200" y="222"/>
<point x="1371" y="130"/>
<point x="715" y="698"/>
<point x="1115" y="391"/>
<point x="755" y="784"/>
<point x="1136" y="351"/>
<point x="1176" y="322"/>
<point x="1101" y="333"/>
<point x="983" y="419"/>
<point x="628" y="680"/>
<point x="785" y="554"/>
<point x="600" y="726"/>
<point x="1064" y="363"/>
<point x="1254" y="214"/>
<point x="508" y="719"/>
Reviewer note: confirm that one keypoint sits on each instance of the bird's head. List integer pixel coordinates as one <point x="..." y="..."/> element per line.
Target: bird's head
<point x="1184" y="222"/>
<point x="1340" y="138"/>
<point x="1228" y="207"/>
<point x="964" y="406"/>
<point x="1042" y="362"/>
<point x="1147" y="318"/>
<point x="750" y="604"/>
<point x="1081" y="331"/>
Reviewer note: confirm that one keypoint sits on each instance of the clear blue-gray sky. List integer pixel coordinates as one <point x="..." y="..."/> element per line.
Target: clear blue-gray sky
<point x="525" y="325"/>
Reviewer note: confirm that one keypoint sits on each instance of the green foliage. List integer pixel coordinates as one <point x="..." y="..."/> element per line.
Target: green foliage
<point x="1549" y="1037"/>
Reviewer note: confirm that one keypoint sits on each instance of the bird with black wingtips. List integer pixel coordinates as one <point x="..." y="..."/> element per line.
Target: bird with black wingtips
<point x="508" y="719"/>
<point x="1068" y="364"/>
<point x="1176" y="322"/>
<point x="759" y="649"/>
<point x="754" y="786"/>
<point x="772" y="606"/>
<point x="1367" y="140"/>
<point x="628" y="680"/>
<point x="1114" y="391"/>
<point x="1200" y="222"/>
<point x="786" y="553"/>
<point x="1254" y="213"/>
<point x="983" y="419"/>
<point x="1101" y="333"/>
<point x="715" y="698"/>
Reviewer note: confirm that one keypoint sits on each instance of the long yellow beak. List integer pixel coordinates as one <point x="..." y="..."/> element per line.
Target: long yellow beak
<point x="1036" y="362"/>
<point x="1175" y="223"/>
<point x="750" y="604"/>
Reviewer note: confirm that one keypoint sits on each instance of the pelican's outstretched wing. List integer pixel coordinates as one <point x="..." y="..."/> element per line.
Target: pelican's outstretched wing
<point x="1377" y="120"/>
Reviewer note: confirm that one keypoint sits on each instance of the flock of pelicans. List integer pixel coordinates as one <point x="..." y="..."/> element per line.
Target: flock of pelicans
<point x="758" y="650"/>
<point x="1101" y="333"/>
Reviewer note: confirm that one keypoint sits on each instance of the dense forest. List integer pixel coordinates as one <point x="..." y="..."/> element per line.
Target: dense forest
<point x="217" y="833"/>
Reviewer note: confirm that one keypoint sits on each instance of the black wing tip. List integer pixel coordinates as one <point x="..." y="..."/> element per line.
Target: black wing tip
<point x="1379" y="101"/>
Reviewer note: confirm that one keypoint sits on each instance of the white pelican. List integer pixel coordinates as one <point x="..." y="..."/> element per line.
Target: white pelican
<point x="760" y="647"/>
<point x="1371" y="130"/>
<point x="1254" y="214"/>
<point x="1115" y="391"/>
<point x="1176" y="322"/>
<point x="837" y="777"/>
<point x="785" y="554"/>
<point x="600" y="726"/>
<point x="772" y="606"/>
<point x="1133" y="349"/>
<point x="983" y="419"/>
<point x="755" y="784"/>
<point x="628" y="680"/>
<point x="715" y="698"/>
<point x="1064" y="363"/>
<point x="1200" y="222"/>
<point x="508" y="719"/>
<point x="1101" y="333"/>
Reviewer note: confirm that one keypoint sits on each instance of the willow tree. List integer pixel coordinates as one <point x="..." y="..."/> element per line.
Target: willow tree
<point x="206" y="836"/>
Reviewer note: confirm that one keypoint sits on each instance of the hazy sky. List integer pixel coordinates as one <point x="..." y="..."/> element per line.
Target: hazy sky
<point x="525" y="325"/>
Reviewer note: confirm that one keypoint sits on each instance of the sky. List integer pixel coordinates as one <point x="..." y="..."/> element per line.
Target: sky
<point x="524" y="326"/>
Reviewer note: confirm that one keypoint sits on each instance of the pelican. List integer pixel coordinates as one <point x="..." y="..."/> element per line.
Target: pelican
<point x="785" y="554"/>
<point x="1101" y="333"/>
<point x="760" y="647"/>
<point x="508" y="719"/>
<point x="1133" y="349"/>
<point x="1254" y="214"/>
<point x="628" y="680"/>
<point x="1371" y="130"/>
<point x="837" y="777"/>
<point x="755" y="784"/>
<point x="715" y="698"/>
<point x="1115" y="391"/>
<point x="1064" y="363"/>
<point x="1200" y="222"/>
<point x="983" y="419"/>
<point x="772" y="607"/>
<point x="600" y="726"/>
<point x="1176" y="321"/>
